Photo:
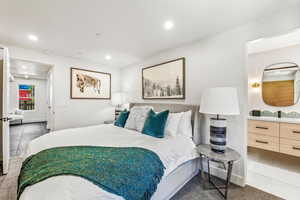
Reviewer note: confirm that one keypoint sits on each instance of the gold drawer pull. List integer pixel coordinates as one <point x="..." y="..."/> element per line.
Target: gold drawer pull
<point x="261" y="127"/>
<point x="262" y="142"/>
<point x="296" y="148"/>
<point x="296" y="132"/>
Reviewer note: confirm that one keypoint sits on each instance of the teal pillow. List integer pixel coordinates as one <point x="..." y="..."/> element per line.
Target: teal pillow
<point x="155" y="124"/>
<point x="121" y="121"/>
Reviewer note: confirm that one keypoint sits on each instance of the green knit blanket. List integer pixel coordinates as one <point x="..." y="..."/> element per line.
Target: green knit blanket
<point x="132" y="173"/>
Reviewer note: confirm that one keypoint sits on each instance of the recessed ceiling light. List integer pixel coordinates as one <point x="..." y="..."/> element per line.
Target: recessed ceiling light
<point x="168" y="25"/>
<point x="26" y="76"/>
<point x="24" y="67"/>
<point x="33" y="37"/>
<point x="107" y="57"/>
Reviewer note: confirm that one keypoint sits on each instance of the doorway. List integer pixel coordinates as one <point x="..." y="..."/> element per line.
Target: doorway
<point x="30" y="103"/>
<point x="273" y="66"/>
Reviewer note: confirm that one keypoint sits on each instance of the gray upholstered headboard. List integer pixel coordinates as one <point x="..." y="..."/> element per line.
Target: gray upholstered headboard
<point x="175" y="108"/>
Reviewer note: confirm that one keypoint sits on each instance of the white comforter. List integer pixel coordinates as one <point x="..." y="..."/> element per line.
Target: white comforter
<point x="172" y="152"/>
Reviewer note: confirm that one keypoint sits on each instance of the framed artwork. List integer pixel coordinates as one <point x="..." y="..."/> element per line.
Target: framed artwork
<point x="165" y="80"/>
<point x="87" y="84"/>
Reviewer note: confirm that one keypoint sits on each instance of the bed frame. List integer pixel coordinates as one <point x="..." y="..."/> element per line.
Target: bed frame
<point x="172" y="183"/>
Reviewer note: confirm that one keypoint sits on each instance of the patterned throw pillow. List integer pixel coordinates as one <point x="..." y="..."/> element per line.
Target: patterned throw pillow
<point x="121" y="121"/>
<point x="137" y="117"/>
<point x="155" y="124"/>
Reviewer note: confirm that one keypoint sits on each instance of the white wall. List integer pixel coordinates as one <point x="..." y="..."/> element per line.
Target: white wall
<point x="39" y="113"/>
<point x="69" y="112"/>
<point x="257" y="63"/>
<point x="219" y="60"/>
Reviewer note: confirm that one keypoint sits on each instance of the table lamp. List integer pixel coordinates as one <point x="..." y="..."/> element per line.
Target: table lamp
<point x="219" y="101"/>
<point x="117" y="100"/>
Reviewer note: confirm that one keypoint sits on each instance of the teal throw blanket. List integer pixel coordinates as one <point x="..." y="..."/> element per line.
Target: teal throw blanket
<point x="132" y="173"/>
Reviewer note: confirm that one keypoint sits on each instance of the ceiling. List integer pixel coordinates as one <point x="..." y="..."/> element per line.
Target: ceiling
<point x="276" y="42"/>
<point x="128" y="30"/>
<point x="28" y="69"/>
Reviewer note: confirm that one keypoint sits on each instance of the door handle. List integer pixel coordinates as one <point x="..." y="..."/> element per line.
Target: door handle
<point x="296" y="148"/>
<point x="261" y="127"/>
<point x="296" y="131"/>
<point x="262" y="142"/>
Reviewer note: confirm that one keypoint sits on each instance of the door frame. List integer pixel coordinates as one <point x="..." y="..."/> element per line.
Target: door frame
<point x="50" y="94"/>
<point x="5" y="140"/>
<point x="51" y="70"/>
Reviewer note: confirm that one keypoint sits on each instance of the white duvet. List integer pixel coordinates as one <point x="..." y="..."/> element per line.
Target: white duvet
<point x="172" y="152"/>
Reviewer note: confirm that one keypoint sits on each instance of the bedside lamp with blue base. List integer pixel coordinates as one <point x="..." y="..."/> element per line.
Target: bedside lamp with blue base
<point x="219" y="101"/>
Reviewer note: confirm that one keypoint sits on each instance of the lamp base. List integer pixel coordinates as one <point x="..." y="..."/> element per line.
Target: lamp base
<point x="218" y="135"/>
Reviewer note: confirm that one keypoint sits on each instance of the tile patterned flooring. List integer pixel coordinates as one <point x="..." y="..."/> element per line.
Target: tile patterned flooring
<point x="21" y="135"/>
<point x="196" y="189"/>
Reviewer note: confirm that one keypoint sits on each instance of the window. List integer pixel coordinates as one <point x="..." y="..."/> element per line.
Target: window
<point x="26" y="97"/>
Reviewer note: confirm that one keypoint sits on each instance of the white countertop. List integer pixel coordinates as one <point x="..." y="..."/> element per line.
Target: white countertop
<point x="275" y="119"/>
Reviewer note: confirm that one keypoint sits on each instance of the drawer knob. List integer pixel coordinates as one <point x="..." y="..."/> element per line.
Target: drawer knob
<point x="296" y="132"/>
<point x="296" y="148"/>
<point x="261" y="127"/>
<point x="262" y="142"/>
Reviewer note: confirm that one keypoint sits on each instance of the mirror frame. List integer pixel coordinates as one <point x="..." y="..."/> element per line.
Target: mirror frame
<point x="268" y="68"/>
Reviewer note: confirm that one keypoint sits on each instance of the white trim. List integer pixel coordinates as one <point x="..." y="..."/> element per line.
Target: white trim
<point x="236" y="179"/>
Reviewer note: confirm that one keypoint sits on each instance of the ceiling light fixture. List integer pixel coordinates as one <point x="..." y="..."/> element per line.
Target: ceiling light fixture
<point x="26" y="76"/>
<point x="168" y="25"/>
<point x="24" y="67"/>
<point x="107" y="57"/>
<point x="33" y="37"/>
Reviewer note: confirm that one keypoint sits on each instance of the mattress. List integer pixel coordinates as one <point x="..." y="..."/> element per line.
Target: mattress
<point x="172" y="151"/>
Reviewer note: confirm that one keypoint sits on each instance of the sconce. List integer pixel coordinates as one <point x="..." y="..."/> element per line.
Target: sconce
<point x="255" y="85"/>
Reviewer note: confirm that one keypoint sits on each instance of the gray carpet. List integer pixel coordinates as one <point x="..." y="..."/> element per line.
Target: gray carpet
<point x="196" y="189"/>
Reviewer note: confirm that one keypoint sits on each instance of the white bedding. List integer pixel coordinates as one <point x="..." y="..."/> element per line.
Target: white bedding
<point x="172" y="152"/>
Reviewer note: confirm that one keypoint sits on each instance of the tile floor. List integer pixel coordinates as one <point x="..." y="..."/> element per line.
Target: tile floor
<point x="21" y="135"/>
<point x="275" y="159"/>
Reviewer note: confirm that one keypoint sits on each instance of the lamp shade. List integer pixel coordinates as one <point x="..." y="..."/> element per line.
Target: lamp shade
<point x="117" y="98"/>
<point x="220" y="101"/>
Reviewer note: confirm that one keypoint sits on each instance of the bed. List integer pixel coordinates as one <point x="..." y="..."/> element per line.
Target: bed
<point x="178" y="155"/>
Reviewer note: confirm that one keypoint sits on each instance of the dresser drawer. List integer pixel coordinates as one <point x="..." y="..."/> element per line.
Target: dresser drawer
<point x="264" y="128"/>
<point x="290" y="131"/>
<point x="291" y="147"/>
<point x="263" y="142"/>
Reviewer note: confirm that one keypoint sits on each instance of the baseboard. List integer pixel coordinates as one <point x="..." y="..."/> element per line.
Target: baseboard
<point x="33" y="121"/>
<point x="236" y="179"/>
<point x="27" y="122"/>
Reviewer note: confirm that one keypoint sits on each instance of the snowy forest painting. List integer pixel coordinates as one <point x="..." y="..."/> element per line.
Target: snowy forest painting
<point x="165" y="81"/>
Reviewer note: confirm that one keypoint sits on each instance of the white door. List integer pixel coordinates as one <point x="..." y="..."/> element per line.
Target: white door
<point x="4" y="88"/>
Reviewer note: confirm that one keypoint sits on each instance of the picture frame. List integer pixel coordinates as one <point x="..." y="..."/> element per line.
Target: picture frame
<point x="89" y="84"/>
<point x="164" y="81"/>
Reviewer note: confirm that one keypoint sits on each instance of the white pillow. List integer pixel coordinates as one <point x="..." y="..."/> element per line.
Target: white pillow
<point x="185" y="125"/>
<point x="137" y="117"/>
<point x="172" y="124"/>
